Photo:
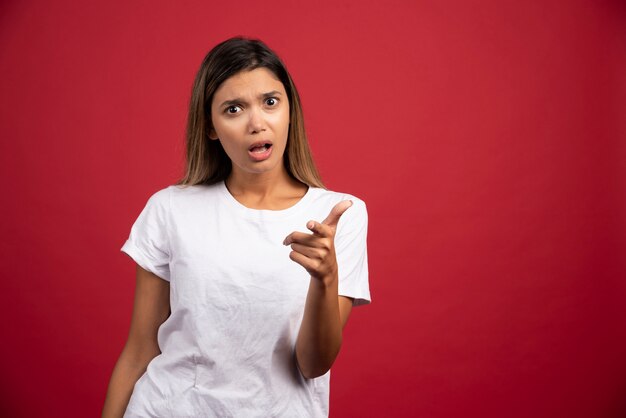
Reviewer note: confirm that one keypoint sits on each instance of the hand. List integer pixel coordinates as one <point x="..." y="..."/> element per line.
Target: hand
<point x="316" y="252"/>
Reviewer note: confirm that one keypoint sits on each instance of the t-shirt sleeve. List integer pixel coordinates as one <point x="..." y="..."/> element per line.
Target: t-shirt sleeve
<point x="148" y="243"/>
<point x="351" y="253"/>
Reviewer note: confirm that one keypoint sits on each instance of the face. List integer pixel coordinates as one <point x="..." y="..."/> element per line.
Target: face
<point x="250" y="117"/>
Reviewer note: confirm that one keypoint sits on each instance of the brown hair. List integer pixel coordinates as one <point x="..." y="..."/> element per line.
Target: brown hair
<point x="207" y="162"/>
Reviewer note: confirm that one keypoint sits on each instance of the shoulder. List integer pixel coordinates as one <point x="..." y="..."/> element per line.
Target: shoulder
<point x="356" y="215"/>
<point x="335" y="197"/>
<point x="177" y="194"/>
<point x="161" y="196"/>
<point x="182" y="191"/>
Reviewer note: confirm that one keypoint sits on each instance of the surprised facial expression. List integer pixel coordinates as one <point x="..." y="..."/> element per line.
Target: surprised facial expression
<point x="250" y="117"/>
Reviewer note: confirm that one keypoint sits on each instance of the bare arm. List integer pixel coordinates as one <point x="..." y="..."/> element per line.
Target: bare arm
<point x="151" y="308"/>
<point x="320" y="336"/>
<point x="325" y="312"/>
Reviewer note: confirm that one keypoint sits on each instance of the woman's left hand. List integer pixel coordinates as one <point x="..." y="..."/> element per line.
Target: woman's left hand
<point x="316" y="252"/>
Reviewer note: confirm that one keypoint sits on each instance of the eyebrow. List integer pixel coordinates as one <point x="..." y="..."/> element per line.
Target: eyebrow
<point x="262" y="96"/>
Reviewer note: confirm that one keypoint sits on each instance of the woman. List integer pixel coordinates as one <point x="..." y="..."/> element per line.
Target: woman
<point x="238" y="309"/>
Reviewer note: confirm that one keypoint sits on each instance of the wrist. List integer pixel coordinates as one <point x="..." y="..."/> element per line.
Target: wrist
<point x="327" y="281"/>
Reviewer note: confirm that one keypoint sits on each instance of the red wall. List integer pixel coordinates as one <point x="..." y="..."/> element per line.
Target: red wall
<point x="488" y="139"/>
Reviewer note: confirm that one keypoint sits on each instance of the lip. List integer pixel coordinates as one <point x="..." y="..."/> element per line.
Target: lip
<point x="260" y="156"/>
<point x="259" y="143"/>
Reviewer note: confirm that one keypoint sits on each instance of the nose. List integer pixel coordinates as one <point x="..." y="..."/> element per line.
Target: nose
<point x="256" y="122"/>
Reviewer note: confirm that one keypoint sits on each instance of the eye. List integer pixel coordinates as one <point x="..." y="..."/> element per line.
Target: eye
<point x="228" y="109"/>
<point x="272" y="101"/>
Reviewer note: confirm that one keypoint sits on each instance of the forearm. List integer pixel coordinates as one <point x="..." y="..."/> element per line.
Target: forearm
<point x="123" y="379"/>
<point x="319" y="339"/>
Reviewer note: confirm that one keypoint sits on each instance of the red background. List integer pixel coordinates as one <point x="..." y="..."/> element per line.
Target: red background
<point x="488" y="140"/>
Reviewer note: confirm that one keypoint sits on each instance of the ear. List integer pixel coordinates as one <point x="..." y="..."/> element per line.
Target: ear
<point x="212" y="134"/>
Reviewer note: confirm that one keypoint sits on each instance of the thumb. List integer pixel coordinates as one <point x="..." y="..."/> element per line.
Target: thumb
<point x="333" y="217"/>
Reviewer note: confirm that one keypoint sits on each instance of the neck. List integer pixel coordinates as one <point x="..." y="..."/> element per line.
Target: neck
<point x="263" y="186"/>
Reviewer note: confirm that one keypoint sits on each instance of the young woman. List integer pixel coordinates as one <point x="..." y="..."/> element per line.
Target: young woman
<point x="247" y="268"/>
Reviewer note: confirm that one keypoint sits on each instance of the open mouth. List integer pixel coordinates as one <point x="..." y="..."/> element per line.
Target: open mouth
<point x="260" y="147"/>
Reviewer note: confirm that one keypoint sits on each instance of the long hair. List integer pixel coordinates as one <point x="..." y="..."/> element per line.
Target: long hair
<point x="207" y="162"/>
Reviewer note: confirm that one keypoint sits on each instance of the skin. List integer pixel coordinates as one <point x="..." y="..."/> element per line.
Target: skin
<point x="267" y="185"/>
<point x="257" y="185"/>
<point x="325" y="313"/>
<point x="151" y="308"/>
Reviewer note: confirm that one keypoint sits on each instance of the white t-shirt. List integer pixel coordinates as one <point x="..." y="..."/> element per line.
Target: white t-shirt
<point x="237" y="301"/>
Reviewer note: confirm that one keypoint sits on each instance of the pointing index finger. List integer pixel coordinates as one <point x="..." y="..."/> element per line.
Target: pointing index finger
<point x="333" y="217"/>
